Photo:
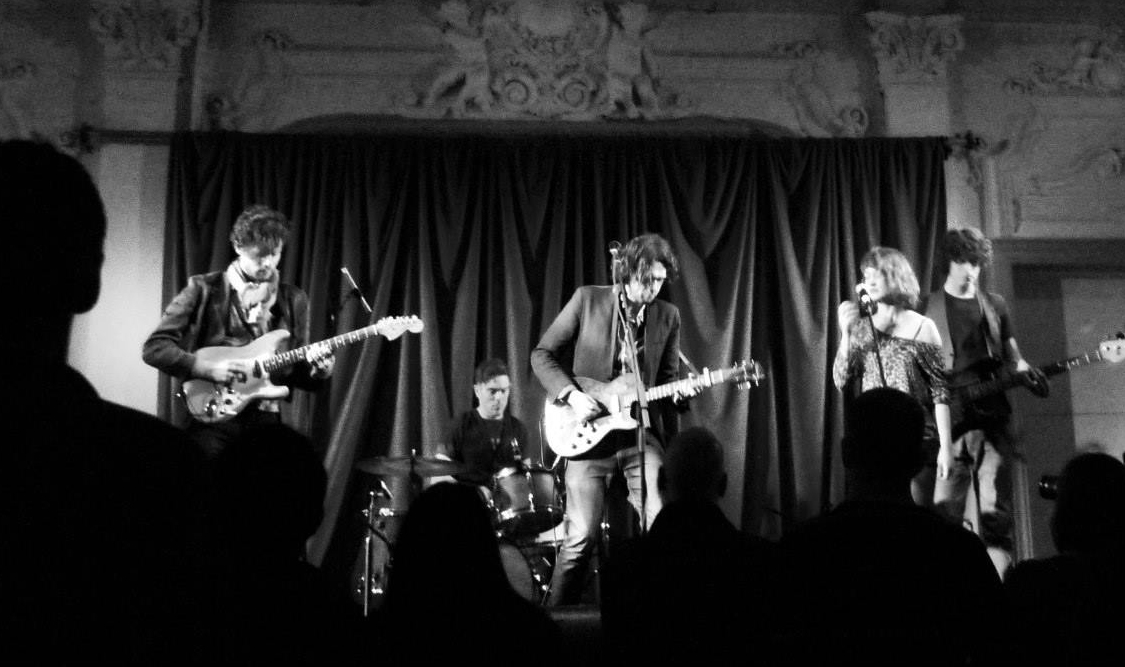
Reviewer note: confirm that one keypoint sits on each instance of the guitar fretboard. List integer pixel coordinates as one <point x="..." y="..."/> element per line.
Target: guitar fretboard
<point x="978" y="390"/>
<point x="296" y="355"/>
<point x="707" y="379"/>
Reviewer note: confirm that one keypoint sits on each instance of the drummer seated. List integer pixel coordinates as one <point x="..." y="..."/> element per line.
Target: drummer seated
<point x="487" y="439"/>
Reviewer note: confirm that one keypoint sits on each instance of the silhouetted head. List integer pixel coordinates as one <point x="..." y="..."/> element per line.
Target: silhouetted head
<point x="54" y="229"/>
<point x="1090" y="510"/>
<point x="446" y="554"/>
<point x="883" y="437"/>
<point x="693" y="467"/>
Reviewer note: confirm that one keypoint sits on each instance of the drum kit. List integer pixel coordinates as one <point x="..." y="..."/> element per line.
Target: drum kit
<point x="524" y="500"/>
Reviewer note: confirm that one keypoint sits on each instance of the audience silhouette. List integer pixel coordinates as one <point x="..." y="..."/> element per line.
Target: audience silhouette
<point x="880" y="580"/>
<point x="1068" y="608"/>
<point x="693" y="589"/>
<point x="100" y="553"/>
<point x="448" y="598"/>
<point x="270" y="605"/>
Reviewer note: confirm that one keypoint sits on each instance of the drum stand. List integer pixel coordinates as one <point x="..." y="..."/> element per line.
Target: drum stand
<point x="369" y="584"/>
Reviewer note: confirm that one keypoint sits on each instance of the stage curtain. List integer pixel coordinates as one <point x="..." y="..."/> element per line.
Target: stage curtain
<point x="486" y="236"/>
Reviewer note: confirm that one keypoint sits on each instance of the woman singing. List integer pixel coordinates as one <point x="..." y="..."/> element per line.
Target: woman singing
<point x="904" y="353"/>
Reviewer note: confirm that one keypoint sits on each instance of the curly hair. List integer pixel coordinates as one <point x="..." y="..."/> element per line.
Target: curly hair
<point x="260" y="226"/>
<point x="639" y="255"/>
<point x="902" y="285"/>
<point x="966" y="245"/>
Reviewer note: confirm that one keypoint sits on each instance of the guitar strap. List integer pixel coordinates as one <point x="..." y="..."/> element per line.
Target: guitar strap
<point x="992" y="340"/>
<point x="936" y="311"/>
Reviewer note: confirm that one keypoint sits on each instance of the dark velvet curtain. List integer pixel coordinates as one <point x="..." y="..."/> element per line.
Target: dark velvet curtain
<point x="485" y="237"/>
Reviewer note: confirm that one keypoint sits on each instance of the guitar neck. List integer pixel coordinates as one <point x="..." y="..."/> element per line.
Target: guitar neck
<point x="296" y="355"/>
<point x="1003" y="383"/>
<point x="707" y="379"/>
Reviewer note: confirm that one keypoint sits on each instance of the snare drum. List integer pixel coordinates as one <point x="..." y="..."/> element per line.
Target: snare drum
<point x="525" y="501"/>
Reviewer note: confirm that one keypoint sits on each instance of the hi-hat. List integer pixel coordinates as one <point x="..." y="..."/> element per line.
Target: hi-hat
<point x="401" y="466"/>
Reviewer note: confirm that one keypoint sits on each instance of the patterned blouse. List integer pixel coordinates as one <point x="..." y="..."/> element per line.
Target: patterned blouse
<point x="909" y="365"/>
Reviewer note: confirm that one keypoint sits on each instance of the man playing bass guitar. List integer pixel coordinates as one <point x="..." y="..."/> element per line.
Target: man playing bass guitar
<point x="587" y="339"/>
<point x="232" y="308"/>
<point x="977" y="337"/>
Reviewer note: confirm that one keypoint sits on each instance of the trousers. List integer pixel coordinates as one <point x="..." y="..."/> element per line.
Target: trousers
<point x="586" y="484"/>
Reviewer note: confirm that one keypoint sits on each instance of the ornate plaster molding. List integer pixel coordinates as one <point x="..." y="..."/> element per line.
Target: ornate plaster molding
<point x="914" y="49"/>
<point x="561" y="59"/>
<point x="816" y="93"/>
<point x="37" y="82"/>
<point x="254" y="100"/>
<point x="145" y="34"/>
<point x="1096" y="67"/>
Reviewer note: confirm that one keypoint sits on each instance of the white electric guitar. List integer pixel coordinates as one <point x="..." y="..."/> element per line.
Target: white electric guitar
<point x="212" y="402"/>
<point x="568" y="435"/>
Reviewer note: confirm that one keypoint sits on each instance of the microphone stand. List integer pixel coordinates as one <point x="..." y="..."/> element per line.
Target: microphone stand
<point x="868" y="308"/>
<point x="355" y="290"/>
<point x="642" y="402"/>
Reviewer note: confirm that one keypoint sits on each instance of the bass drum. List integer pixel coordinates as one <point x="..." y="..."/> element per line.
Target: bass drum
<point x="528" y="570"/>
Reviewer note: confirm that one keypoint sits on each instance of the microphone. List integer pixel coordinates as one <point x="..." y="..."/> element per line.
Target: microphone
<point x="866" y="303"/>
<point x="355" y="288"/>
<point x="615" y="250"/>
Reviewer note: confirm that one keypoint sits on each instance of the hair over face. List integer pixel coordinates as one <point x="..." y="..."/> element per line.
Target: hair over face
<point x="902" y="284"/>
<point x="641" y="253"/>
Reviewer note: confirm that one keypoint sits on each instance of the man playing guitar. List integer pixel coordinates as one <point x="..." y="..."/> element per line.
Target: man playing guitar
<point x="587" y="339"/>
<point x="977" y="337"/>
<point x="232" y="308"/>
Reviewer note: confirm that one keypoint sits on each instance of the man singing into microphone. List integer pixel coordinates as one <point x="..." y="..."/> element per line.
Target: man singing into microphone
<point x="587" y="339"/>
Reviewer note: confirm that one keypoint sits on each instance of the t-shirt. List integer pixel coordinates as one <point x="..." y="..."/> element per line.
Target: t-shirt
<point x="486" y="446"/>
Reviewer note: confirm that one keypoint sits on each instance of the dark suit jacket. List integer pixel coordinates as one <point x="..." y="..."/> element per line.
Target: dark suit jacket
<point x="201" y="316"/>
<point x="579" y="343"/>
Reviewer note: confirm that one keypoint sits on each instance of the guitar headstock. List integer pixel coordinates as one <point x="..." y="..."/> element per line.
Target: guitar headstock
<point x="748" y="373"/>
<point x="393" y="327"/>
<point x="1113" y="350"/>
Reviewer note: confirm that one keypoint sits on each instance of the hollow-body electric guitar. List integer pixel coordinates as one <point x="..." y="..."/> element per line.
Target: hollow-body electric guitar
<point x="567" y="435"/>
<point x="211" y="402"/>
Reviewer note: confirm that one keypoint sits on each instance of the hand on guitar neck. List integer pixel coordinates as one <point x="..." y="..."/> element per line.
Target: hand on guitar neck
<point x="228" y="371"/>
<point x="1033" y="378"/>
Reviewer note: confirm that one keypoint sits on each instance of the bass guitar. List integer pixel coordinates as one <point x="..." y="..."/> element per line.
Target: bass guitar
<point x="970" y="406"/>
<point x="211" y="402"/>
<point x="568" y="435"/>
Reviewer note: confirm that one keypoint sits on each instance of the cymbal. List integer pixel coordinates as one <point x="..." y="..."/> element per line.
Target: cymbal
<point x="401" y="466"/>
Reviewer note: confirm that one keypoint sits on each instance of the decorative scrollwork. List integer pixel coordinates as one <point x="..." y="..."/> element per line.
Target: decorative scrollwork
<point x="145" y="34"/>
<point x="1097" y="67"/>
<point x="913" y="49"/>
<point x="568" y="59"/>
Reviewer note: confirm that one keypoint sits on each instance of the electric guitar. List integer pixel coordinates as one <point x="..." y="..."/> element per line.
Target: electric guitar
<point x="969" y="406"/>
<point x="567" y="435"/>
<point x="211" y="402"/>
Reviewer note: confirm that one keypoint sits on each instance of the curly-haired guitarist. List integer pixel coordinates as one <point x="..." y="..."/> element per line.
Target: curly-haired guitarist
<point x="978" y="342"/>
<point x="232" y="308"/>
